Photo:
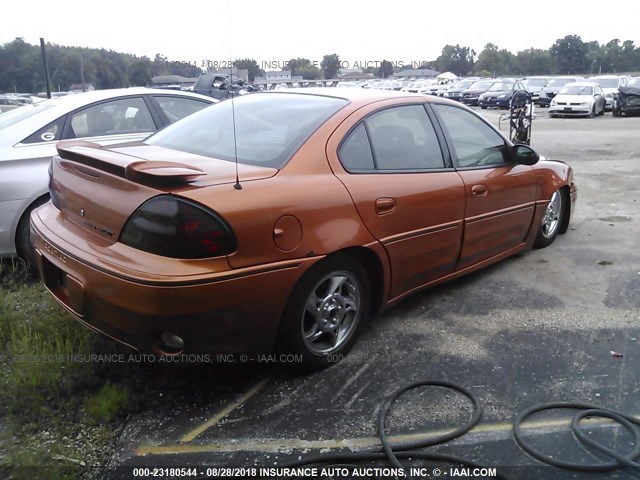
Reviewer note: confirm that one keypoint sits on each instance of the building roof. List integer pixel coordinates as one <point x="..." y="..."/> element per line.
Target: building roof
<point x="418" y="72"/>
<point x="172" y="79"/>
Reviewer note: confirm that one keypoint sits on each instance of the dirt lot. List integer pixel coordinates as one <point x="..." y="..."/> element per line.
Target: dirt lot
<point x="539" y="327"/>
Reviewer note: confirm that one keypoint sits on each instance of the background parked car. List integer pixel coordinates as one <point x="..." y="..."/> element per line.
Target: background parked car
<point x="534" y="85"/>
<point x="610" y="85"/>
<point x="500" y="93"/>
<point x="579" y="98"/>
<point x="470" y="95"/>
<point x="553" y="87"/>
<point x="454" y="92"/>
<point x="8" y="103"/>
<point x="28" y="136"/>
<point x="628" y="99"/>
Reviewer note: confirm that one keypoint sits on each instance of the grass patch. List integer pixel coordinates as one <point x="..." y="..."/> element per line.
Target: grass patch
<point x="108" y="403"/>
<point x="56" y="410"/>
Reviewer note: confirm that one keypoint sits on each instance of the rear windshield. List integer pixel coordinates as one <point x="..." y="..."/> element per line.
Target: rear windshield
<point x="269" y="127"/>
<point x="28" y="110"/>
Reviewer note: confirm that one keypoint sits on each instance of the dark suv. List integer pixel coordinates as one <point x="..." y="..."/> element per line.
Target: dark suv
<point x="221" y="86"/>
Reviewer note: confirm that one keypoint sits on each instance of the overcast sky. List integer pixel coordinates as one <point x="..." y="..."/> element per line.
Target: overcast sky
<point x="277" y="30"/>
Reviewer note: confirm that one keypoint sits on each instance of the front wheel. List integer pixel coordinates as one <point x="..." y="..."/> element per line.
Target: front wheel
<point x="592" y="113"/>
<point x="326" y="312"/>
<point x="551" y="220"/>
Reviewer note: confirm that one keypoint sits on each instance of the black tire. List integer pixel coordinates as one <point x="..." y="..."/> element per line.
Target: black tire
<point x="23" y="236"/>
<point x="616" y="112"/>
<point x="298" y="320"/>
<point x="483" y="107"/>
<point x="552" y="220"/>
<point x="592" y="113"/>
<point x="604" y="109"/>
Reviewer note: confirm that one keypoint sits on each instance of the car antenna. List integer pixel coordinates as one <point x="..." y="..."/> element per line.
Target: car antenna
<point x="237" y="185"/>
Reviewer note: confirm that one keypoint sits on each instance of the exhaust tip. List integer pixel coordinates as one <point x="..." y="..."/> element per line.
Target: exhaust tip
<point x="171" y="343"/>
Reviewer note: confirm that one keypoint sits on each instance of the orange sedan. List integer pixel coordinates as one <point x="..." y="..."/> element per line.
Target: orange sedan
<point x="283" y="220"/>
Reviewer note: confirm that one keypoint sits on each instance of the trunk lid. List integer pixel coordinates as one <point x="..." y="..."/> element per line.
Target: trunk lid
<point x="98" y="188"/>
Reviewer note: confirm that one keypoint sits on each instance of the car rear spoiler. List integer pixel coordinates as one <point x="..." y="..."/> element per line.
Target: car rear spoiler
<point x="126" y="166"/>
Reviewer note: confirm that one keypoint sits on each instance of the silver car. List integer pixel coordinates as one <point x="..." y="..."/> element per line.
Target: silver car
<point x="28" y="137"/>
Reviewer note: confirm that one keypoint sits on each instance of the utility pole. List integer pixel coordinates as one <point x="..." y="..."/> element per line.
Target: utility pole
<point x="46" y="67"/>
<point x="82" y="74"/>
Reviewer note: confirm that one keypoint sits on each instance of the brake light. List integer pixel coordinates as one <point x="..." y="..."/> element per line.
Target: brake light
<point x="174" y="227"/>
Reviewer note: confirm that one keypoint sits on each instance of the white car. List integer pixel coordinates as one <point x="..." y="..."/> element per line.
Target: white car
<point x="28" y="137"/>
<point x="610" y="85"/>
<point x="578" y="98"/>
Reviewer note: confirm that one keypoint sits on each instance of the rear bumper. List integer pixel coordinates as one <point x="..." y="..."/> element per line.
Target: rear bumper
<point x="227" y="312"/>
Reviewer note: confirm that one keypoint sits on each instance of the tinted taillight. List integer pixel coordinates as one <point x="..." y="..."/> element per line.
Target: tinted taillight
<point x="177" y="228"/>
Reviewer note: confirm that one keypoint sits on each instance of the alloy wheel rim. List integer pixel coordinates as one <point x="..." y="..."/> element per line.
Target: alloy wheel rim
<point x="551" y="218"/>
<point x="331" y="313"/>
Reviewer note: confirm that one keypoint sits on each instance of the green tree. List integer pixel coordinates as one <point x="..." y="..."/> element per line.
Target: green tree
<point x="534" y="61"/>
<point x="456" y="59"/>
<point x="385" y="70"/>
<point x="139" y="72"/>
<point x="497" y="61"/>
<point x="330" y="65"/>
<point x="251" y="66"/>
<point x="305" y="68"/>
<point x="570" y="54"/>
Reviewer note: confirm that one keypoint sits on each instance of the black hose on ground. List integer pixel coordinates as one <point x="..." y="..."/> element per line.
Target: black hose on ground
<point x="587" y="410"/>
<point x="410" y="450"/>
<point x="407" y="450"/>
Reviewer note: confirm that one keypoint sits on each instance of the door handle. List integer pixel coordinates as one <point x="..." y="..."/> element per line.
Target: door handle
<point x="479" y="191"/>
<point x="385" y="205"/>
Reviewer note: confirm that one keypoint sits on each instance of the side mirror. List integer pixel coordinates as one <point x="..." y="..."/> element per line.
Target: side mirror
<point x="524" y="155"/>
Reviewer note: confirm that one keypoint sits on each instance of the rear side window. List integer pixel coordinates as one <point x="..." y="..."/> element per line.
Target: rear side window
<point x="355" y="151"/>
<point x="127" y="115"/>
<point x="403" y="138"/>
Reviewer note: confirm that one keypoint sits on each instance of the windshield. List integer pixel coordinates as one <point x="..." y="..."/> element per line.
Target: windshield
<point x="481" y="85"/>
<point x="605" y="82"/>
<point x="576" y="90"/>
<point x="28" y="110"/>
<point x="269" y="127"/>
<point x="463" y="84"/>
<point x="501" y="86"/>
<point x="634" y="82"/>
<point x="535" y="82"/>
<point x="558" y="82"/>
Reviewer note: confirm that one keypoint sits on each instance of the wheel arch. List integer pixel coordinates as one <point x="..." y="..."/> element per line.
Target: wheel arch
<point x="566" y="216"/>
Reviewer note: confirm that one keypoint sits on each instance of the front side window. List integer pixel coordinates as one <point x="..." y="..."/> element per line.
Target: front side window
<point x="475" y="143"/>
<point x="403" y="138"/>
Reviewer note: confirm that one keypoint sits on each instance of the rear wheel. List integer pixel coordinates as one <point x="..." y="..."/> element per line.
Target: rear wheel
<point x="326" y="312"/>
<point x="551" y="220"/>
<point x="23" y="237"/>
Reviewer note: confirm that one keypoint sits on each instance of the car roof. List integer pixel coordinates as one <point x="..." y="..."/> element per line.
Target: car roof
<point x="603" y="77"/>
<point x="51" y="109"/>
<point x="79" y="99"/>
<point x="582" y="84"/>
